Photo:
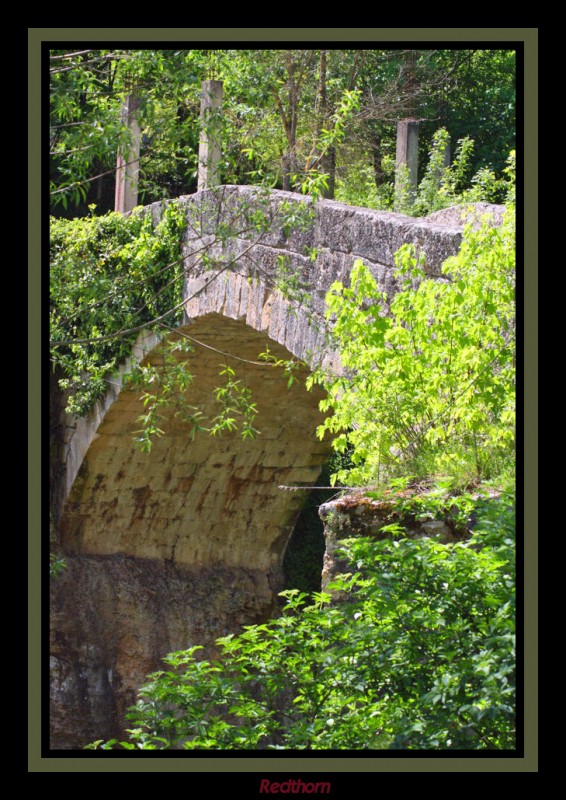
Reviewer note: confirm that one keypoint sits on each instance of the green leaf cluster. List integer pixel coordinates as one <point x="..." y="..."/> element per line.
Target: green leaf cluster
<point x="418" y="654"/>
<point x="87" y="127"/>
<point x="441" y="185"/>
<point x="57" y="565"/>
<point x="237" y="410"/>
<point x="428" y="380"/>
<point x="163" y="384"/>
<point x="445" y="185"/>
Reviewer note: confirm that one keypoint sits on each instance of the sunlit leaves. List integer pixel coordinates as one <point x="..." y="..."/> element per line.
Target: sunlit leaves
<point x="108" y="275"/>
<point x="237" y="411"/>
<point x="430" y="385"/>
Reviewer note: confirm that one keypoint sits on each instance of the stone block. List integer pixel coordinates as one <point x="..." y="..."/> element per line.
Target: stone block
<point x="266" y="311"/>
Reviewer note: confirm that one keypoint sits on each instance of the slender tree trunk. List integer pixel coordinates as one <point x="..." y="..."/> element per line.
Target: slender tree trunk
<point x="329" y="167"/>
<point x="290" y="158"/>
<point x="289" y="113"/>
<point x="328" y="159"/>
<point x="376" y="157"/>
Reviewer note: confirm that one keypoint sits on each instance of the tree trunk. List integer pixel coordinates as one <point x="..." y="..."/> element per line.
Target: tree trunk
<point x="290" y="157"/>
<point x="376" y="157"/>
<point x="328" y="159"/>
<point x="329" y="167"/>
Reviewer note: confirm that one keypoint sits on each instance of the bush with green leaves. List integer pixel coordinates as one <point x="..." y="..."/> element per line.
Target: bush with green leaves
<point x="109" y="276"/>
<point x="417" y="654"/>
<point x="444" y="185"/>
<point x="428" y="388"/>
<point x="441" y="186"/>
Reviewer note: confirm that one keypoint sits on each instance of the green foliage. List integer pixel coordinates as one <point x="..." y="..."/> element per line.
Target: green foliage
<point x="478" y="100"/>
<point x="87" y="92"/>
<point x="109" y="276"/>
<point x="420" y="500"/>
<point x="429" y="388"/>
<point x="57" y="565"/>
<point x="439" y="187"/>
<point x="164" y="386"/>
<point x="446" y="185"/>
<point x="360" y="189"/>
<point x="418" y="654"/>
<point x="236" y="406"/>
<point x="314" y="182"/>
<point x="442" y="185"/>
<point x="284" y="113"/>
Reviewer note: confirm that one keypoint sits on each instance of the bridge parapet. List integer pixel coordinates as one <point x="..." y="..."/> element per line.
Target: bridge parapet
<point x="234" y="262"/>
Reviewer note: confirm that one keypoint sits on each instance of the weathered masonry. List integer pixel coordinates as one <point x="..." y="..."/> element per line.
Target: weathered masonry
<point x="185" y="544"/>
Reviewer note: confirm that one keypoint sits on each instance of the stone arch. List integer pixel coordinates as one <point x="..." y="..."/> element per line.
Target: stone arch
<point x="186" y="544"/>
<point x="297" y="328"/>
<point x="174" y="503"/>
<point x="180" y="546"/>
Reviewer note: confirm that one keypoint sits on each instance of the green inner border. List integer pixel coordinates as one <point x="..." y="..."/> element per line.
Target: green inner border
<point x="291" y="765"/>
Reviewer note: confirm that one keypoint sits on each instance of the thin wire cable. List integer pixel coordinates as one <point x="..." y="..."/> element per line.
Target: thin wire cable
<point x="221" y="352"/>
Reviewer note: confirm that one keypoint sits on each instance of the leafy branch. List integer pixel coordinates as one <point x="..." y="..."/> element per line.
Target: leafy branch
<point x="427" y="387"/>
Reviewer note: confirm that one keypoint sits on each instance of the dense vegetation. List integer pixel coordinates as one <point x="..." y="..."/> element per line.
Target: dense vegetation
<point x="431" y="384"/>
<point x="110" y="276"/>
<point x="419" y="651"/>
<point x="279" y="108"/>
<point x="417" y="654"/>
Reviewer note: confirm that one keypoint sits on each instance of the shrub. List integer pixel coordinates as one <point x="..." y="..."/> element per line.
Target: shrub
<point x="419" y="655"/>
<point x="429" y="387"/>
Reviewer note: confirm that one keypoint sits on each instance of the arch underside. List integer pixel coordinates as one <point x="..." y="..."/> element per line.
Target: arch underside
<point x="179" y="546"/>
<point x="203" y="500"/>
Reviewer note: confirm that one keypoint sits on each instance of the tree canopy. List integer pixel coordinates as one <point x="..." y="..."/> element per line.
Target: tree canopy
<point x="277" y="106"/>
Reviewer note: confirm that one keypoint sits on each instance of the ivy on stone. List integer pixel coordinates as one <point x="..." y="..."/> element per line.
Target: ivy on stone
<point x="110" y="276"/>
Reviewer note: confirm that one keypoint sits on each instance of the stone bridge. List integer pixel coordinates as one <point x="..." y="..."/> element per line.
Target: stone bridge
<point x="185" y="544"/>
